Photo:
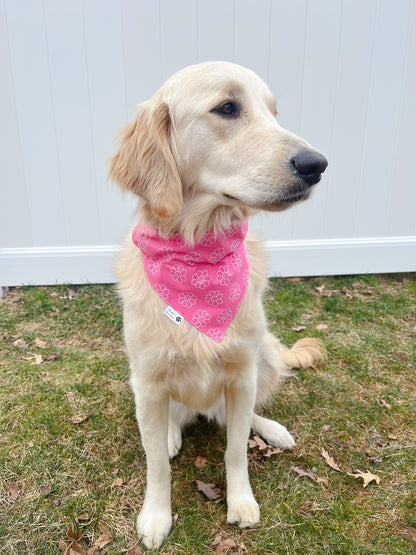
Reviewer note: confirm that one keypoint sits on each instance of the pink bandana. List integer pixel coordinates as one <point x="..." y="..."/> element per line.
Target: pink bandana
<point x="204" y="283"/>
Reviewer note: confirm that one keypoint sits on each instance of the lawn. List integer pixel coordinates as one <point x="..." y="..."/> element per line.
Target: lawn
<point x="72" y="469"/>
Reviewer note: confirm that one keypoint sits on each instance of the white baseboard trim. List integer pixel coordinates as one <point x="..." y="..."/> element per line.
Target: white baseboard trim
<point x="369" y="255"/>
<point x="94" y="264"/>
<point x="57" y="265"/>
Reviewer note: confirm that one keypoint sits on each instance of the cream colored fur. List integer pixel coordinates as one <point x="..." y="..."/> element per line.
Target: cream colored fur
<point x="195" y="170"/>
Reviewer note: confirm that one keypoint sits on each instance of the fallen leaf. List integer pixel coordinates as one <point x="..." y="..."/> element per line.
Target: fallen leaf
<point x="383" y="403"/>
<point x="347" y="293"/>
<point x="409" y="533"/>
<point x="222" y="544"/>
<point x="272" y="451"/>
<point x="325" y="427"/>
<point x="257" y="442"/>
<point x="117" y="483"/>
<point x="44" y="490"/>
<point x="79" y="418"/>
<point x="295" y="279"/>
<point x="20" y="343"/>
<point x="52" y="356"/>
<point x="71" y="546"/>
<point x="105" y="538"/>
<point x="71" y="294"/>
<point x="327" y="292"/>
<point x="137" y="550"/>
<point x="329" y="460"/>
<point x="13" y="491"/>
<point x="260" y="449"/>
<point x="82" y="517"/>
<point x="322" y="326"/>
<point x="306" y="316"/>
<point x="212" y="491"/>
<point x="74" y="534"/>
<point x="40" y="343"/>
<point x="200" y="462"/>
<point x="38" y="359"/>
<point x="310" y="475"/>
<point x="373" y="458"/>
<point x="392" y="436"/>
<point x="367" y="477"/>
<point x="75" y="549"/>
<point x="299" y="328"/>
<point x="376" y="437"/>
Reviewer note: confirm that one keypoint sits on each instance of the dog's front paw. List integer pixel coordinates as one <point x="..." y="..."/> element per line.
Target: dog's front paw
<point x="243" y="511"/>
<point x="153" y="526"/>
<point x="275" y="434"/>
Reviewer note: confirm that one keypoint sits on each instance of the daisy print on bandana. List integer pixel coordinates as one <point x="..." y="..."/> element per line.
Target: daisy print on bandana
<point x="204" y="282"/>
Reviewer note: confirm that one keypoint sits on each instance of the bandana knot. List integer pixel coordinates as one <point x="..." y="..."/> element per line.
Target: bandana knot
<point x="203" y="283"/>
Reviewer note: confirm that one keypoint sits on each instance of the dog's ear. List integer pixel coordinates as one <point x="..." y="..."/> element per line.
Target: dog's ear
<point x="144" y="163"/>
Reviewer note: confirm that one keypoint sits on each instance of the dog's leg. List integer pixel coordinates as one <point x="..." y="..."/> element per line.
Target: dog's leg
<point x="155" y="519"/>
<point x="274" y="363"/>
<point x="179" y="417"/>
<point x="239" y="402"/>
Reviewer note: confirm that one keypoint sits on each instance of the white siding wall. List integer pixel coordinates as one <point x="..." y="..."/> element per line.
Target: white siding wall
<point x="72" y="71"/>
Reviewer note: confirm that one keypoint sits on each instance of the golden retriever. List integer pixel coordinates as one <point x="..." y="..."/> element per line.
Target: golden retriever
<point x="204" y="154"/>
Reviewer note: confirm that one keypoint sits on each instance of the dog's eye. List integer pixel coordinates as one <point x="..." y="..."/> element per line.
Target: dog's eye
<point x="227" y="110"/>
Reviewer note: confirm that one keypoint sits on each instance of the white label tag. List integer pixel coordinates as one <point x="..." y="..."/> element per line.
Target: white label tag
<point x="173" y="315"/>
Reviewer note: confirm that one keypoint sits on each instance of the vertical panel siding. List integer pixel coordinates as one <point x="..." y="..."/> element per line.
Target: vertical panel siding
<point x="70" y="93"/>
<point x="350" y="116"/>
<point x="382" y="117"/>
<point x="15" y="223"/>
<point x="141" y="51"/>
<point x="401" y="209"/>
<point x="36" y="120"/>
<point x="215" y="30"/>
<point x="72" y="73"/>
<point x="107" y="93"/>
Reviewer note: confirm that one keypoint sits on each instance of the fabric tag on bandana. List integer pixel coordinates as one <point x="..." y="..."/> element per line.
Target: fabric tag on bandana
<point x="173" y="315"/>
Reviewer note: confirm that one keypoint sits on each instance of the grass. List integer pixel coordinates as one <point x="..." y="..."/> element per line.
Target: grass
<point x="70" y="450"/>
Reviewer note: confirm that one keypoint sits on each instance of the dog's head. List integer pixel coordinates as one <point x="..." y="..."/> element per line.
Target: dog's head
<point x="211" y="130"/>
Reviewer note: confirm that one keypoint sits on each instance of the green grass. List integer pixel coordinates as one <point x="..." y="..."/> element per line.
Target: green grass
<point x="68" y="429"/>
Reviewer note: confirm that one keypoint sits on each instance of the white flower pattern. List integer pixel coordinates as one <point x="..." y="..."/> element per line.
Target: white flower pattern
<point x="225" y="316"/>
<point x="235" y="292"/>
<point x="208" y="239"/>
<point x="167" y="252"/>
<point x="237" y="261"/>
<point x="187" y="299"/>
<point x="215" y="333"/>
<point x="201" y="318"/>
<point x="153" y="265"/>
<point x="178" y="273"/>
<point x="201" y="279"/>
<point x="217" y="255"/>
<point x="215" y="298"/>
<point x="193" y="258"/>
<point x="162" y="291"/>
<point x="223" y="275"/>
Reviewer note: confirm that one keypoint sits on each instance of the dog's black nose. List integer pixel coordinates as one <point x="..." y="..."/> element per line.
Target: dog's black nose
<point x="309" y="165"/>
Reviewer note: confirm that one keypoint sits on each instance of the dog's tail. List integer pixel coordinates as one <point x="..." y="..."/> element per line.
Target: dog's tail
<point x="305" y="353"/>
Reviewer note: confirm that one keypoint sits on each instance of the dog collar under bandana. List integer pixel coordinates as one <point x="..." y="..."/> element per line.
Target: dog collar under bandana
<point x="202" y="283"/>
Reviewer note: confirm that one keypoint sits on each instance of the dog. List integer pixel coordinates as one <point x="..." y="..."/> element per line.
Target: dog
<point x="203" y="155"/>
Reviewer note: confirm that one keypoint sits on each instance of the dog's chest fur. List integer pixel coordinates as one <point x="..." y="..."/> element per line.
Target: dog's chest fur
<point x="180" y="360"/>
